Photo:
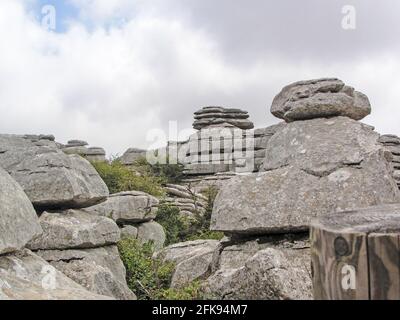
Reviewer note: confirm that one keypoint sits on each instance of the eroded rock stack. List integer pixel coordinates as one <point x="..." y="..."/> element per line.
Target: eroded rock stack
<point x="77" y="243"/>
<point x="392" y="143"/>
<point x="220" y="116"/>
<point x="23" y="274"/>
<point x="134" y="212"/>
<point x="81" y="148"/>
<point x="323" y="160"/>
<point x="189" y="202"/>
<point x="131" y="155"/>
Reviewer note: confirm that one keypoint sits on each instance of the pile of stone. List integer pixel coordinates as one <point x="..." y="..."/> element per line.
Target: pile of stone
<point x="392" y="143"/>
<point x="134" y="212"/>
<point x="132" y="155"/>
<point x="81" y="148"/>
<point x="189" y="202"/>
<point x="23" y="274"/>
<point x="66" y="240"/>
<point x="322" y="161"/>
<point x="220" y="116"/>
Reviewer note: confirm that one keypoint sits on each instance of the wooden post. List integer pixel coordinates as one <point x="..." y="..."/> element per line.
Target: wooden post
<point x="355" y="255"/>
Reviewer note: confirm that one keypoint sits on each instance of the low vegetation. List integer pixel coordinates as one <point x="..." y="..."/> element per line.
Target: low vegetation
<point x="150" y="278"/>
<point x="120" y="178"/>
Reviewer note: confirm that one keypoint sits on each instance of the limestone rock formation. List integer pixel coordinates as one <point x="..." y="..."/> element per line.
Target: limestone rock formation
<point x="193" y="260"/>
<point x="211" y="116"/>
<point x="131" y="155"/>
<point x="314" y="167"/>
<point x="74" y="229"/>
<point x="328" y="97"/>
<point x="18" y="220"/>
<point x="49" y="177"/>
<point x="127" y="207"/>
<point x="392" y="143"/>
<point x="266" y="271"/>
<point x="99" y="270"/>
<point x="80" y="147"/>
<point x="25" y="276"/>
<point x="189" y="202"/>
<point x="152" y="232"/>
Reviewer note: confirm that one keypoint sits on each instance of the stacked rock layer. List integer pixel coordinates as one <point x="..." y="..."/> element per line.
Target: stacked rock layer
<point x="81" y="148"/>
<point x="392" y="143"/>
<point x="220" y="116"/>
<point x="71" y="242"/>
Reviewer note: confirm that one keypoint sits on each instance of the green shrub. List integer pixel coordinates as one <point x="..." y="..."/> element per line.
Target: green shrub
<point x="168" y="173"/>
<point x="174" y="224"/>
<point x="120" y="178"/>
<point x="150" y="278"/>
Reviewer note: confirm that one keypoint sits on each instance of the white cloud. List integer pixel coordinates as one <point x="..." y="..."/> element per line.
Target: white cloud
<point x="111" y="86"/>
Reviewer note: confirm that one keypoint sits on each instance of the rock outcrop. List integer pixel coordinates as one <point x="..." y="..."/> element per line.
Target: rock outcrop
<point x="18" y="220"/>
<point x="50" y="178"/>
<point x="392" y="143"/>
<point x="26" y="276"/>
<point x="99" y="270"/>
<point x="80" y="147"/>
<point x="134" y="212"/>
<point x="212" y="116"/>
<point x="320" y="98"/>
<point x="132" y="155"/>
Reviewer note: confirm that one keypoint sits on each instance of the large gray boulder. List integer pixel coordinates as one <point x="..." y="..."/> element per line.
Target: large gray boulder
<point x="18" y="220"/>
<point x="74" y="229"/>
<point x="315" y="167"/>
<point x="220" y="116"/>
<point x="272" y="273"/>
<point x="49" y="177"/>
<point x="26" y="276"/>
<point x="193" y="260"/>
<point x="99" y="270"/>
<point x="321" y="145"/>
<point x="127" y="207"/>
<point x="152" y="232"/>
<point x="319" y="98"/>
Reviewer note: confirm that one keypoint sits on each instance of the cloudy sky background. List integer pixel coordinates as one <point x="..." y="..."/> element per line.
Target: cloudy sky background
<point x="114" y="69"/>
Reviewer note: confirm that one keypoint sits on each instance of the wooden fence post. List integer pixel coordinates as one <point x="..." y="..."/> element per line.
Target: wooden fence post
<point x="355" y="255"/>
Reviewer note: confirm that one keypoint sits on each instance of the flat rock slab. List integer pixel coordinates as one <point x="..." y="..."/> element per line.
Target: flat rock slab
<point x="261" y="272"/>
<point x="26" y="276"/>
<point x="318" y="99"/>
<point x="286" y="199"/>
<point x="193" y="260"/>
<point x="74" y="229"/>
<point x="49" y="177"/>
<point x="99" y="270"/>
<point x="127" y="207"/>
<point x="321" y="145"/>
<point x="18" y="220"/>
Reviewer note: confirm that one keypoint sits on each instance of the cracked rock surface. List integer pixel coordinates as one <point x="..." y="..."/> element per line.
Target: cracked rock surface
<point x="315" y="167"/>
<point x="328" y="97"/>
<point x="50" y="178"/>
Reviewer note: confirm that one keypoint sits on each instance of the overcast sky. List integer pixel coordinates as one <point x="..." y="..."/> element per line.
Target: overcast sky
<point x="115" y="69"/>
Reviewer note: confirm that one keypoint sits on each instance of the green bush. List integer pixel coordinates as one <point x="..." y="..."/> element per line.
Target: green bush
<point x="150" y="278"/>
<point x="168" y="173"/>
<point x="120" y="178"/>
<point x="174" y="224"/>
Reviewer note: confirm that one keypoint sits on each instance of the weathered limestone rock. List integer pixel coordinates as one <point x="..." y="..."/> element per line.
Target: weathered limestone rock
<point x="50" y="178"/>
<point x="74" y="229"/>
<point x="270" y="274"/>
<point x="392" y="143"/>
<point x="18" y="220"/>
<point x="132" y="155"/>
<point x="193" y="260"/>
<point x="152" y="232"/>
<point x="286" y="199"/>
<point x="315" y="167"/>
<point x="127" y="207"/>
<point x="25" y="276"/>
<point x="320" y="98"/>
<point x="99" y="270"/>
<point x="210" y="116"/>
<point x="129" y="232"/>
